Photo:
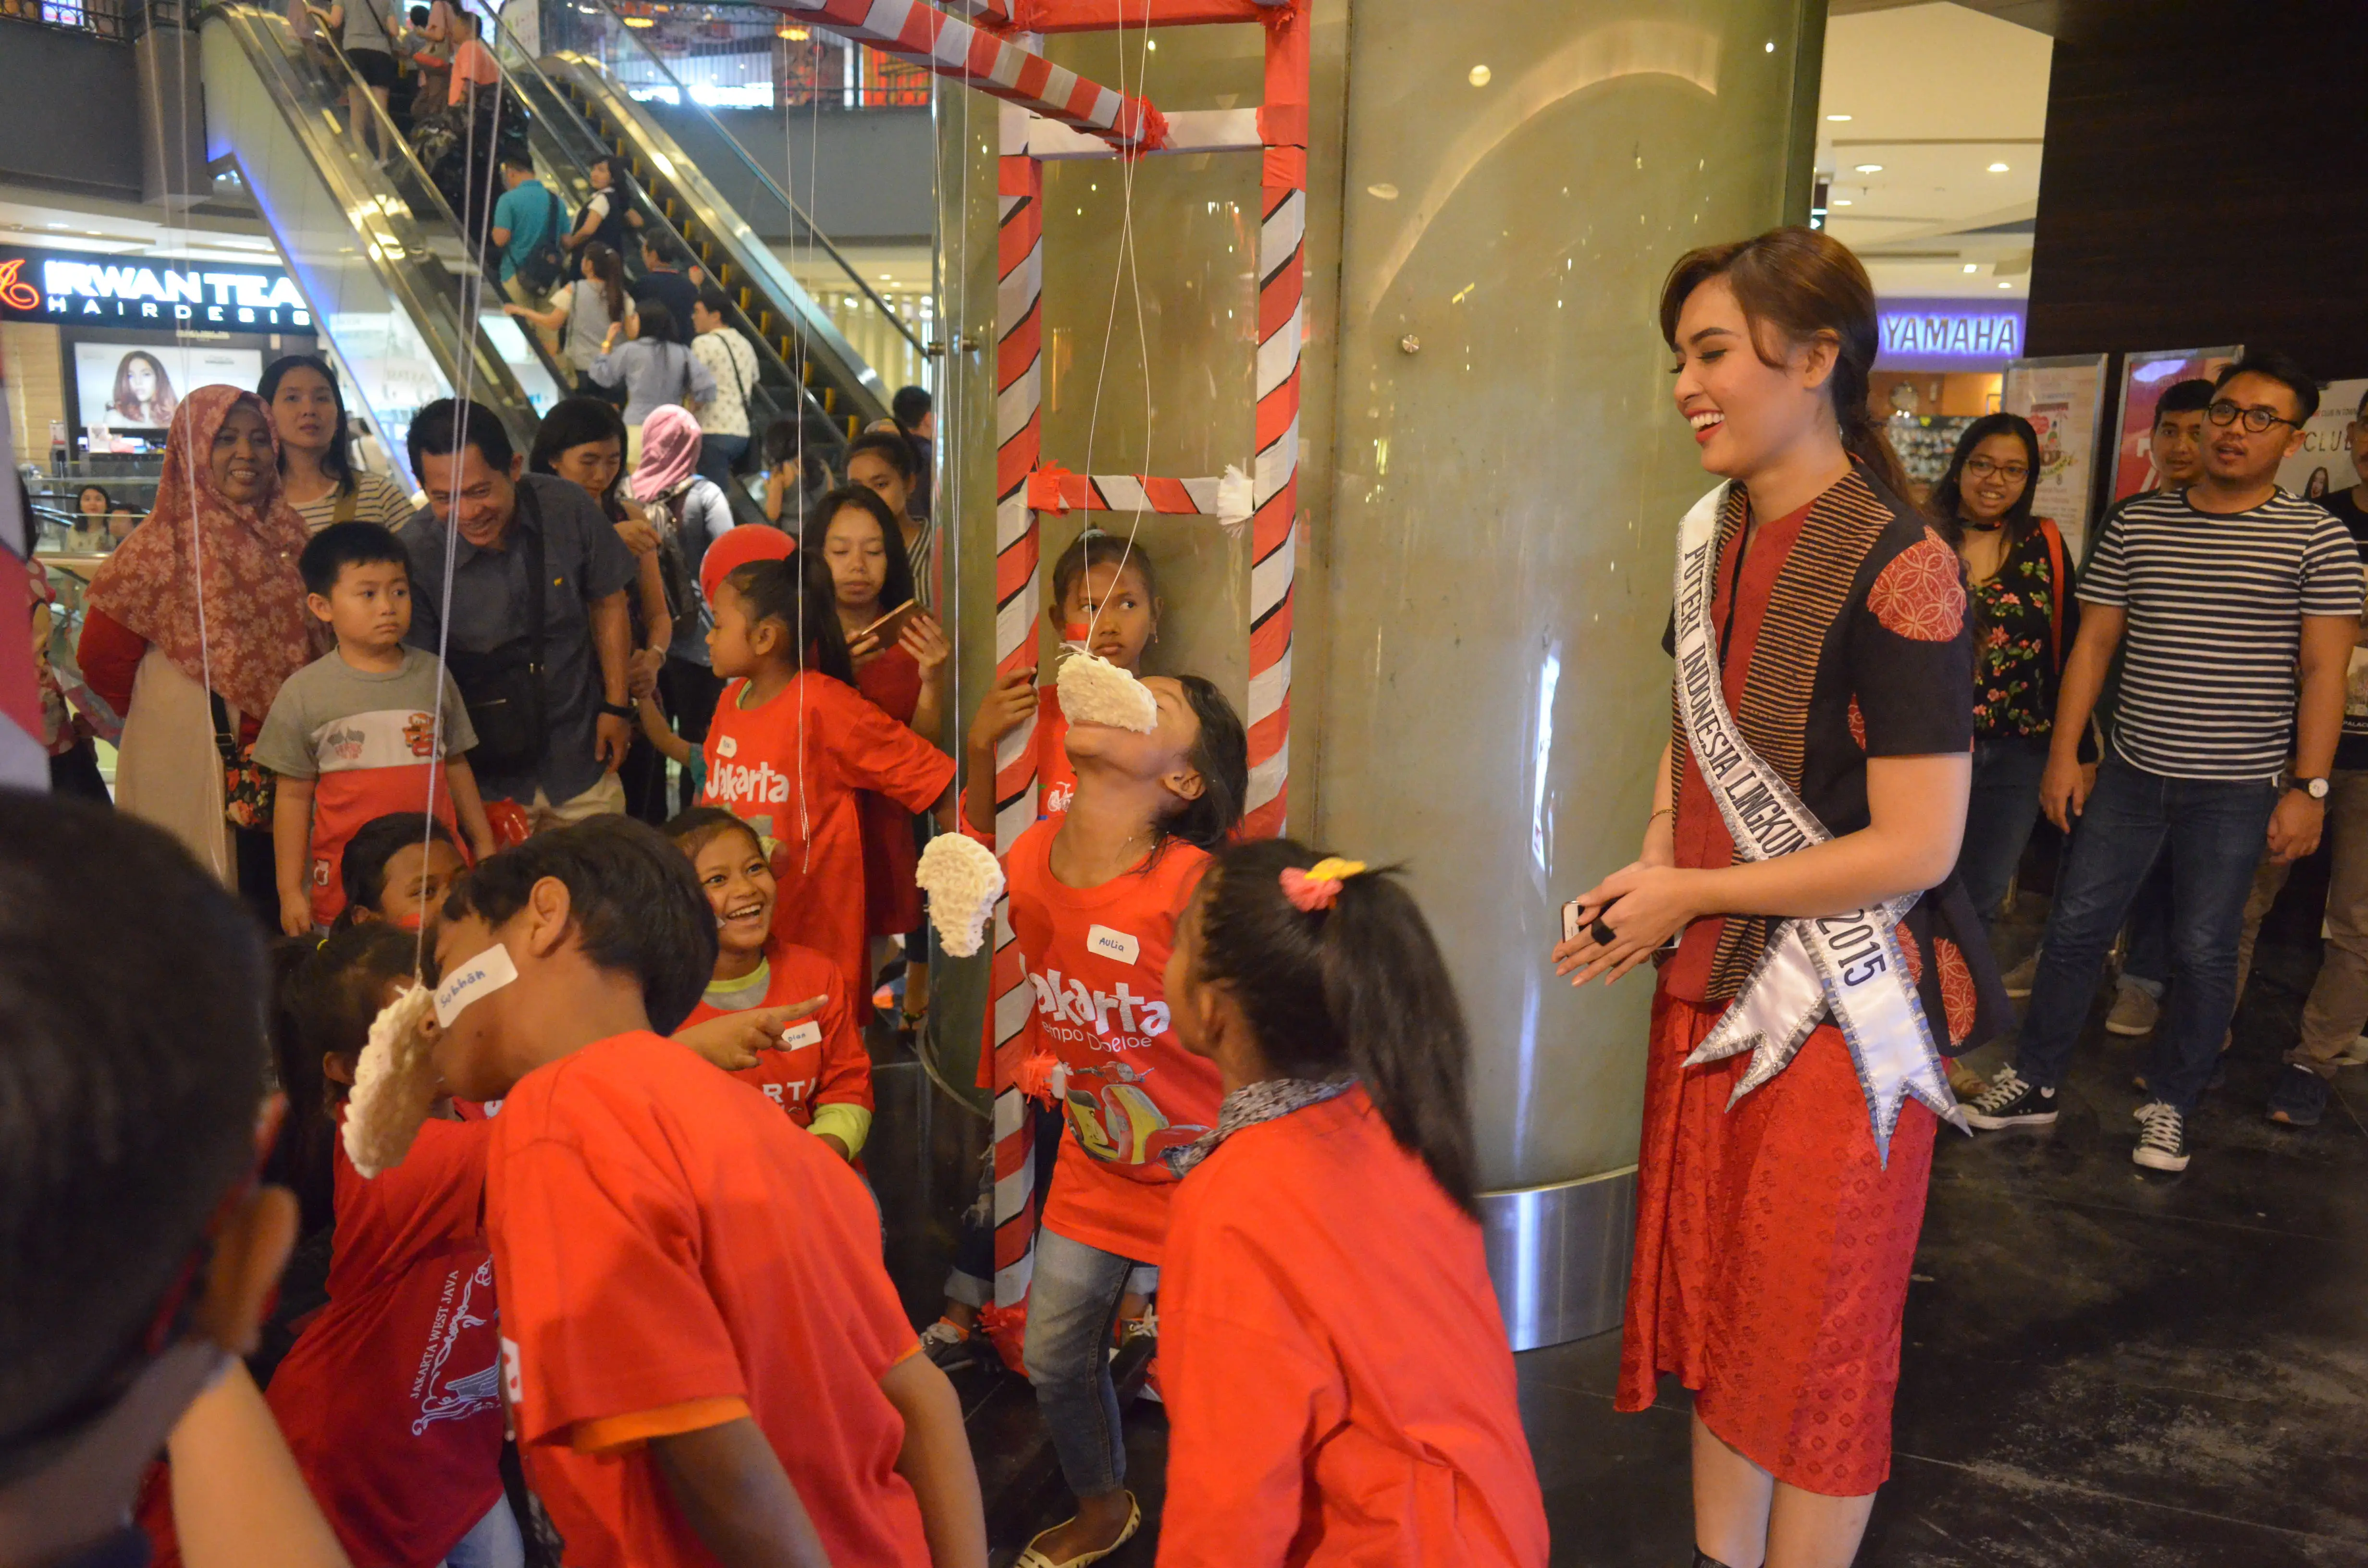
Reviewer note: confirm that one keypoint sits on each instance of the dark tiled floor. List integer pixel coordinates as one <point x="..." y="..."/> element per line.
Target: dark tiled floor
<point x="2104" y="1366"/>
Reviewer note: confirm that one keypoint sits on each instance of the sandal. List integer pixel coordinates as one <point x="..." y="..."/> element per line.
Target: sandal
<point x="1031" y="1558"/>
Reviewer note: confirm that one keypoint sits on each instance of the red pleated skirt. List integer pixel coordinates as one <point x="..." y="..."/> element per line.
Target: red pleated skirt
<point x="1773" y="1247"/>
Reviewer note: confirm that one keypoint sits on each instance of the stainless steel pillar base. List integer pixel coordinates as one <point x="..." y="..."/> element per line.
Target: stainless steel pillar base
<point x="1558" y="1256"/>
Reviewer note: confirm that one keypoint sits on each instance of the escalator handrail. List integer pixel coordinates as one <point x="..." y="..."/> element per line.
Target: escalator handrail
<point x="684" y="100"/>
<point x="491" y="381"/>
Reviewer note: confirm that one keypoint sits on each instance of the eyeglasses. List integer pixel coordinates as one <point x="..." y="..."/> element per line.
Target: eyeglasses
<point x="2256" y="419"/>
<point x="1982" y="468"/>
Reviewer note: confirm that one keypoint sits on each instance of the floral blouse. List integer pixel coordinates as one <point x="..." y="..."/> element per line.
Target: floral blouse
<point x="2016" y="660"/>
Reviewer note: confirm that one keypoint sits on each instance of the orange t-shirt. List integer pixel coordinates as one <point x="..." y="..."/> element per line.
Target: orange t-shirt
<point x="1056" y="781"/>
<point x="1097" y="959"/>
<point x="1382" y="1424"/>
<point x="664" y="1236"/>
<point x="823" y="1062"/>
<point x="812" y="812"/>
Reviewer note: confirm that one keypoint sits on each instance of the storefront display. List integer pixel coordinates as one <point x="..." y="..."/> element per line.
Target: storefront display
<point x="2064" y="398"/>
<point x="2144" y="376"/>
<point x="2324" y="464"/>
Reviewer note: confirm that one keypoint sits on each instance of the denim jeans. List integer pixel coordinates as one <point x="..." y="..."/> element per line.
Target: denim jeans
<point x="2213" y="833"/>
<point x="2146" y="963"/>
<point x="716" y="456"/>
<point x="1072" y="1305"/>
<point x="1998" y="816"/>
<point x="493" y="1542"/>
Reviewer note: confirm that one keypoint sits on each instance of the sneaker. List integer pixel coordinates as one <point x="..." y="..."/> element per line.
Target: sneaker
<point x="2162" y="1137"/>
<point x="1963" y="1082"/>
<point x="2018" y="979"/>
<point x="949" y="1344"/>
<point x="2355" y="1055"/>
<point x="2135" y="1012"/>
<point x="2299" y="1099"/>
<point x="2010" y="1102"/>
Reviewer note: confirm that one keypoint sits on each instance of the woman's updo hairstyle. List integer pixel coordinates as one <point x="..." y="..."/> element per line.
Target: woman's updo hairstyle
<point x="1801" y="282"/>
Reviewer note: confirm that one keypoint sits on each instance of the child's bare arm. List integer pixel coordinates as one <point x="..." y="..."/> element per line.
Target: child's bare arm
<point x="729" y="1483"/>
<point x="291" y="852"/>
<point x="937" y="1463"/>
<point x="238" y="1498"/>
<point x="671" y="746"/>
<point x="470" y="807"/>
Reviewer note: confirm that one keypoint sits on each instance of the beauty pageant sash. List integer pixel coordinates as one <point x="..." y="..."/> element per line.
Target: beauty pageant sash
<point x="1847" y="964"/>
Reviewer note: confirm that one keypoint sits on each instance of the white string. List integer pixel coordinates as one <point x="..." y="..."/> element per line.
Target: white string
<point x="1129" y="264"/>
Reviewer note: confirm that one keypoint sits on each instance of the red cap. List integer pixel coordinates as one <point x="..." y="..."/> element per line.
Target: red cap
<point x="749" y="541"/>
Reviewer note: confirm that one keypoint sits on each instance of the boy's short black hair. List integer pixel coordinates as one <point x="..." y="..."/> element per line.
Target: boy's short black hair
<point x="2191" y="397"/>
<point x="361" y="869"/>
<point x="2282" y="369"/>
<point x="889" y="444"/>
<point x="133" y="995"/>
<point x="448" y="425"/>
<point x="635" y="904"/>
<point x="711" y="298"/>
<point x="340" y="545"/>
<point x="910" y="405"/>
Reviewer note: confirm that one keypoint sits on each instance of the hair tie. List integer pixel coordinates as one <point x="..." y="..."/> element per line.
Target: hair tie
<point x="1318" y="887"/>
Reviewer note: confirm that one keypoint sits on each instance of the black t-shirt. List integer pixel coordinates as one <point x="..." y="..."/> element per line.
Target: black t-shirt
<point x="675" y="293"/>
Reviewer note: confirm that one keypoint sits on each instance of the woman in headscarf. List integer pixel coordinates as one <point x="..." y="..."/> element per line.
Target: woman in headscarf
<point x="690" y="513"/>
<point x="194" y="622"/>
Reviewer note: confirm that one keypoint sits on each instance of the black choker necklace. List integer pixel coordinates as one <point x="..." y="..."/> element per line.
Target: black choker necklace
<point x="1982" y="527"/>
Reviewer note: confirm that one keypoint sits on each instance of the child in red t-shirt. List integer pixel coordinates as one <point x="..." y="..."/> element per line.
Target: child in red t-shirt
<point x="660" y="1231"/>
<point x="1105" y="599"/>
<point x="794" y="745"/>
<point x="1324" y="1236"/>
<point x="819" y="1074"/>
<point x="397" y="869"/>
<point x="390" y="1396"/>
<point x="1094" y="894"/>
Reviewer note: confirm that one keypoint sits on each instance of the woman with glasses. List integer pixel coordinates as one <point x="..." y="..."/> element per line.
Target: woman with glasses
<point x="2020" y="578"/>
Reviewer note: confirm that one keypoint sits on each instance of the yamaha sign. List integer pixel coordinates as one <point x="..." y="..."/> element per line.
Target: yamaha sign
<point x="67" y="289"/>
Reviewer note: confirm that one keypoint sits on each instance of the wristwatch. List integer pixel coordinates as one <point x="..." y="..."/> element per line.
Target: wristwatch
<point x="622" y="711"/>
<point x="2315" y="788"/>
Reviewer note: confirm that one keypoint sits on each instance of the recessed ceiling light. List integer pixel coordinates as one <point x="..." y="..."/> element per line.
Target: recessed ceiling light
<point x="1870" y="168"/>
<point x="2006" y="285"/>
<point x="1384" y="190"/>
<point x="1771" y="46"/>
<point x="1971" y="268"/>
<point x="1478" y="75"/>
<point x="1998" y="168"/>
<point x="1837" y="118"/>
<point x="1842" y="201"/>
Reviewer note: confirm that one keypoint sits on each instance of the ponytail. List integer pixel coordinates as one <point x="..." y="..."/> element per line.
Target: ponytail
<point x="1802" y="282"/>
<point x="608" y="272"/>
<point x="1358" y="989"/>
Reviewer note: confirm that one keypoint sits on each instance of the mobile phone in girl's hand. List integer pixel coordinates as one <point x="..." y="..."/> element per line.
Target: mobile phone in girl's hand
<point x="1573" y="921"/>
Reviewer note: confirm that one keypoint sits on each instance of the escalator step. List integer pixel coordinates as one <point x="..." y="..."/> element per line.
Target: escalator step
<point x="851" y="431"/>
<point x="830" y="400"/>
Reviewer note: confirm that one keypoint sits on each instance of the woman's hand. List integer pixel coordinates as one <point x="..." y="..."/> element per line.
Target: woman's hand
<point x="732" y="1041"/>
<point x="1006" y="706"/>
<point x="1643" y="906"/>
<point x="863" y="649"/>
<point x="635" y="532"/>
<point x="926" y="640"/>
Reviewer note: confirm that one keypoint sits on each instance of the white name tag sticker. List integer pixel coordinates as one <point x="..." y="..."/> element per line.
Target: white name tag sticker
<point x="727" y="745"/>
<point x="1114" y="943"/>
<point x="806" y="1033"/>
<point x="480" y="976"/>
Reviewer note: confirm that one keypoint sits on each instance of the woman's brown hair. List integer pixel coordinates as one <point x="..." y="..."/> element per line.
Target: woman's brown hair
<point x="1801" y="282"/>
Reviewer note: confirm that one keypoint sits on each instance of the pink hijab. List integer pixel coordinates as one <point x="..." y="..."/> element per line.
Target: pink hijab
<point x="256" y="631"/>
<point x="669" y="451"/>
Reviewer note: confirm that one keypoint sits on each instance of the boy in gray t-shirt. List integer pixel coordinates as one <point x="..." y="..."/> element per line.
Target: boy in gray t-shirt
<point x="353" y="735"/>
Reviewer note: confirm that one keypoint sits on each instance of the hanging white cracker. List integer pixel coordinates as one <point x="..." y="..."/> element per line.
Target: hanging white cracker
<point x="962" y="878"/>
<point x="1095" y="691"/>
<point x="394" y="1084"/>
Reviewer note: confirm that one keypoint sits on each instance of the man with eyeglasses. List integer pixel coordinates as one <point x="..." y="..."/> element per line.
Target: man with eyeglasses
<point x="2221" y="590"/>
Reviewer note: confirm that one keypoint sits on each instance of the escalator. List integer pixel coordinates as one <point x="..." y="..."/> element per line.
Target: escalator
<point x="374" y="249"/>
<point x="582" y="111"/>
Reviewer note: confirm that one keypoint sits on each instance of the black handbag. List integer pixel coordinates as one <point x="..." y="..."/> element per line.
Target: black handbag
<point x="502" y="687"/>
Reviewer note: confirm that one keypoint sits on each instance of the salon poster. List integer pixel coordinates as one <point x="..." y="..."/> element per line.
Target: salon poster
<point x="2325" y="462"/>
<point x="2064" y="398"/>
<point x="2144" y="376"/>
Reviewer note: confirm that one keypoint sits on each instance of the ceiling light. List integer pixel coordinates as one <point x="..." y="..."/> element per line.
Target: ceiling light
<point x="1842" y="201"/>
<point x="1837" y="118"/>
<point x="1771" y="46"/>
<point x="1385" y="191"/>
<point x="794" y="35"/>
<point x="2006" y="285"/>
<point x="1971" y="268"/>
<point x="1870" y="168"/>
<point x="1151" y="43"/>
<point x="1479" y="75"/>
<point x="639" y="22"/>
<point x="1998" y="168"/>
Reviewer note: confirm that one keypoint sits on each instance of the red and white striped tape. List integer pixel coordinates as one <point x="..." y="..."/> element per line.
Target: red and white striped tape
<point x="1058" y="490"/>
<point x="1275" y="494"/>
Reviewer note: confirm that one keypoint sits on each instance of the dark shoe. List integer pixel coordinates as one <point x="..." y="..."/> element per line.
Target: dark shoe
<point x="2162" y="1137"/>
<point x="2299" y="1099"/>
<point x="1704" y="1560"/>
<point x="2010" y="1102"/>
<point x="2018" y="979"/>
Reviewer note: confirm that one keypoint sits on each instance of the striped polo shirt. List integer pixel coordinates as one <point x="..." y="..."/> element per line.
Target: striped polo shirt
<point x="2215" y="603"/>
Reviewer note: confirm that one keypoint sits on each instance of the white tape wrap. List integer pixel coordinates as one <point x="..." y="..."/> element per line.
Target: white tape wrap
<point x="480" y="976"/>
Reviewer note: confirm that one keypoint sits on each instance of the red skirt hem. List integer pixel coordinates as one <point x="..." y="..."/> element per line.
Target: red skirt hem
<point x="1773" y="1246"/>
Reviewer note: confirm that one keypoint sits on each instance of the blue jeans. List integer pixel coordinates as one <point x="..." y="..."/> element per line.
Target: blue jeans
<point x="2212" y="834"/>
<point x="1071" y="1306"/>
<point x="716" y="456"/>
<point x="1998" y="816"/>
<point x="2146" y="964"/>
<point x="493" y="1542"/>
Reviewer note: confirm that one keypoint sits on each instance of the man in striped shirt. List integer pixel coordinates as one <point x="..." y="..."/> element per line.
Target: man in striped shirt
<point x="2221" y="591"/>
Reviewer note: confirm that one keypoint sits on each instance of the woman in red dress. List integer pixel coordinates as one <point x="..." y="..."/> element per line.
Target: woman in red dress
<point x="1779" y="1194"/>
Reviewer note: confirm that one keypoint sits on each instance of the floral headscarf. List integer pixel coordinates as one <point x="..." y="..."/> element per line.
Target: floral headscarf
<point x="256" y="631"/>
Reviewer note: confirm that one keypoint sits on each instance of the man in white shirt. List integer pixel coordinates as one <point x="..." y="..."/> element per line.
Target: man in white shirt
<point x="723" y="419"/>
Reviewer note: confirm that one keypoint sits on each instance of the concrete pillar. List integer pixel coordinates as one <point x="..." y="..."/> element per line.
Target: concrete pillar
<point x="173" y="171"/>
